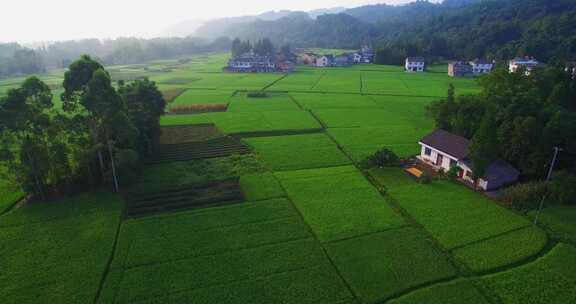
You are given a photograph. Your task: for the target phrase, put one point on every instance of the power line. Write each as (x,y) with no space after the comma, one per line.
(548,177)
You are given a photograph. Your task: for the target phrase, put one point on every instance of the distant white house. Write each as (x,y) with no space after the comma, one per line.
(415,64)
(527,63)
(571,68)
(357,58)
(481,66)
(443,150)
(325,61)
(367,54)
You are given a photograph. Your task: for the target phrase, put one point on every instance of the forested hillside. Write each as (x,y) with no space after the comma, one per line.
(497,29)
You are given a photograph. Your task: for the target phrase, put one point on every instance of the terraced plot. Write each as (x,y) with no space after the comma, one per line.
(362,142)
(381,265)
(464,222)
(385,83)
(262,248)
(318,101)
(336,80)
(304,79)
(211,194)
(462,291)
(57,252)
(338,202)
(298,151)
(272,102)
(248,122)
(550,279)
(211,148)
(194,97)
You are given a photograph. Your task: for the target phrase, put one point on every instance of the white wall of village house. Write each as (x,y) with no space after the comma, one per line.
(467,175)
(434,156)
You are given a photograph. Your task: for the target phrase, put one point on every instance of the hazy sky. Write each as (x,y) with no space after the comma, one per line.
(48,20)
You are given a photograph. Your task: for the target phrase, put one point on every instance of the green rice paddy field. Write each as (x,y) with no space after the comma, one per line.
(311,227)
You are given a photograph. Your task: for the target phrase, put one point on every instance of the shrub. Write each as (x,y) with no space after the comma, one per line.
(563,188)
(257,94)
(382,158)
(525,196)
(452,174)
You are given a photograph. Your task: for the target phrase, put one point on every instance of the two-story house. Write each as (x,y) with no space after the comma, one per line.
(528,64)
(459,69)
(415,64)
(325,61)
(481,66)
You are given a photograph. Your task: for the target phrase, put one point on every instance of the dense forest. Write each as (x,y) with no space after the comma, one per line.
(498,29)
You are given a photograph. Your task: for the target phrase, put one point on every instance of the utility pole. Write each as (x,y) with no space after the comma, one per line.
(548,177)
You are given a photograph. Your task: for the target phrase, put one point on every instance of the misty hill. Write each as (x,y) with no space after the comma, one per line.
(453,29)
(223,26)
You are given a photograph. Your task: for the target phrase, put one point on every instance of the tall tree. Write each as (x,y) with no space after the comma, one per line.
(145,105)
(25,130)
(484,145)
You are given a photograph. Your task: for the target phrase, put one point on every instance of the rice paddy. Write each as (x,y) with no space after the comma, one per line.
(302,223)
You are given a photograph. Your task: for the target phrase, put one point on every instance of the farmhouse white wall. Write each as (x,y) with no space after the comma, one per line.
(432,158)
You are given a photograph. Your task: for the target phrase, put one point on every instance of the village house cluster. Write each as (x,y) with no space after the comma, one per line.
(479,67)
(254,63)
(364,55)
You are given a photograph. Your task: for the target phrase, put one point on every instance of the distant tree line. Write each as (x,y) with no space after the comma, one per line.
(18,60)
(517,118)
(100,137)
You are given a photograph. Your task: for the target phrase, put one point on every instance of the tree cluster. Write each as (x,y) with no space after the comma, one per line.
(262,47)
(18,60)
(15,60)
(99,138)
(517,118)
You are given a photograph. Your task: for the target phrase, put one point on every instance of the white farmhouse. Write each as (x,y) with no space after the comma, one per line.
(442,150)
(481,66)
(527,63)
(325,61)
(571,68)
(357,57)
(415,64)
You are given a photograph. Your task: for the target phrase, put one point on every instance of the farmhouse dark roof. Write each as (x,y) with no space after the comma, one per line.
(480,61)
(448,143)
(415,59)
